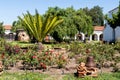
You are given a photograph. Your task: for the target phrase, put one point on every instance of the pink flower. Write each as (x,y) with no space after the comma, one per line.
(46,53)
(51,51)
(34,57)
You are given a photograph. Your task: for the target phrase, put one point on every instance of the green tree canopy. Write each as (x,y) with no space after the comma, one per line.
(67,28)
(2,30)
(83,22)
(96,14)
(74,21)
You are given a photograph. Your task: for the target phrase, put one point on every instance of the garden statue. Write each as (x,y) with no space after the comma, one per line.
(87,69)
(22,36)
(81,70)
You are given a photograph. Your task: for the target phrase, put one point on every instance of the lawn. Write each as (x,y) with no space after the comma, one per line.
(23,76)
(103,76)
(39,76)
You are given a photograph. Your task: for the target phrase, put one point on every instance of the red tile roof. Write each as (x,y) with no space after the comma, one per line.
(98,28)
(7,27)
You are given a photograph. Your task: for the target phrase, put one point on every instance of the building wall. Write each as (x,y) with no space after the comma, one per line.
(98,33)
(107,33)
(7,31)
(117,32)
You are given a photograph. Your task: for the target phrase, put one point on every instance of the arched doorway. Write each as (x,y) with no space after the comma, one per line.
(95,37)
(79,37)
(101,37)
(87,37)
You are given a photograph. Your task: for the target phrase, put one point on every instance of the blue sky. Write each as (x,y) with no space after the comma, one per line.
(10,9)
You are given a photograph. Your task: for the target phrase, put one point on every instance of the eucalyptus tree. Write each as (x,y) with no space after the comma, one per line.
(83,22)
(67,29)
(58,32)
(96,14)
(37,26)
(2,30)
(72,30)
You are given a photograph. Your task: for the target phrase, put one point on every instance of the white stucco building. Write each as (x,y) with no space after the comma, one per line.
(108,31)
(7,29)
(96,36)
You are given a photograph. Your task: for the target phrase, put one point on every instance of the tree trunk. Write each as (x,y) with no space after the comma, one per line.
(40,46)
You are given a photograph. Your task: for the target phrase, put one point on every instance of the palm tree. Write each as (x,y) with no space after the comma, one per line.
(37,26)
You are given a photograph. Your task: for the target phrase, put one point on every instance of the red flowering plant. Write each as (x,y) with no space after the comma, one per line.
(26,58)
(6,60)
(12,49)
(34,60)
(30,59)
(8,48)
(16,49)
(61,61)
(49,57)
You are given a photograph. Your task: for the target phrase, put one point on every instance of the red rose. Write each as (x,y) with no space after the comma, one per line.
(34,57)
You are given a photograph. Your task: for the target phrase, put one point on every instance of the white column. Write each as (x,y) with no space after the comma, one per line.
(90,37)
(98,37)
(83,36)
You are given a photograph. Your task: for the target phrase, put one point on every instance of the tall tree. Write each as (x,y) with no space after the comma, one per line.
(96,13)
(70,25)
(67,29)
(2,30)
(37,26)
(83,22)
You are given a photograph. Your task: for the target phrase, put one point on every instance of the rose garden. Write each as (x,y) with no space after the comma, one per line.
(46,49)
(58,59)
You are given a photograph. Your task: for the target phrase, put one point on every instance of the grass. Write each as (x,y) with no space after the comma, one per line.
(21,44)
(39,76)
(23,76)
(103,76)
(27,44)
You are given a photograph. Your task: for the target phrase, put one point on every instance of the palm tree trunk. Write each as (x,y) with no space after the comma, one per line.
(40,46)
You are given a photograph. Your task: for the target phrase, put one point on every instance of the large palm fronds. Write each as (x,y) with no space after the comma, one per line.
(37,26)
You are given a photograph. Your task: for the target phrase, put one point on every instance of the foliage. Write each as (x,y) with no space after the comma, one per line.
(37,26)
(2,30)
(96,13)
(83,22)
(12,49)
(16,25)
(74,21)
(103,53)
(67,28)
(2,42)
